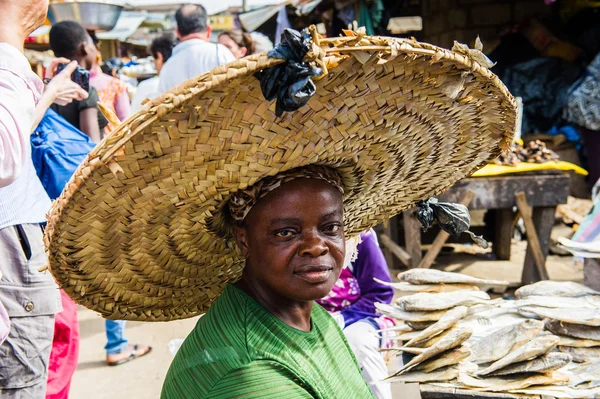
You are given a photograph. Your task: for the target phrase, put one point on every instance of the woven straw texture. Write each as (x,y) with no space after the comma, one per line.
(139,234)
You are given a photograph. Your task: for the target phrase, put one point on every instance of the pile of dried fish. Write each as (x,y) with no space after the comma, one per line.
(575,318)
(549,328)
(533,152)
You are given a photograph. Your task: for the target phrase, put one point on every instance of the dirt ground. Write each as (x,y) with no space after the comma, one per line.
(143,378)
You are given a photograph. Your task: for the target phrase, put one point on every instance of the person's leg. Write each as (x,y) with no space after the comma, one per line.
(65,350)
(118,350)
(115,337)
(31,299)
(24,354)
(364,341)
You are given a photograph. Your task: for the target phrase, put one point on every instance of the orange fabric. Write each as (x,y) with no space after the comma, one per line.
(108,98)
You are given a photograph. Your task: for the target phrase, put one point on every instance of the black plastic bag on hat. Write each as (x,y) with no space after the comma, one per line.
(452,218)
(290,83)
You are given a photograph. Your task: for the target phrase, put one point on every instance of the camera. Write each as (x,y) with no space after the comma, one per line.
(81,76)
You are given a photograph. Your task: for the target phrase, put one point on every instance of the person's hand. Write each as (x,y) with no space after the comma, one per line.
(61,87)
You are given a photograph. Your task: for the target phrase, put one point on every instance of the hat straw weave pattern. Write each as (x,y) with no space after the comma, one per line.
(139,232)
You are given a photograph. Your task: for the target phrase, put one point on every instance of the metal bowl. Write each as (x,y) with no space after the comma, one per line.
(92,15)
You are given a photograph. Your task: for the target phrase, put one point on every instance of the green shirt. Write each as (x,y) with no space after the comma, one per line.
(240,350)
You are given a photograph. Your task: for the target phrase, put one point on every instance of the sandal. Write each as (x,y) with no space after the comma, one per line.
(135,354)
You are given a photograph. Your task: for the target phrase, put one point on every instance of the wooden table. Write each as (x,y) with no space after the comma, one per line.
(544,191)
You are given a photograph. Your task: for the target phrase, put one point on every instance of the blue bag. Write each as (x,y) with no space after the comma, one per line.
(57,149)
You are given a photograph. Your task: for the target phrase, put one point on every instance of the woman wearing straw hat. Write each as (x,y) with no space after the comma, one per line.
(214,199)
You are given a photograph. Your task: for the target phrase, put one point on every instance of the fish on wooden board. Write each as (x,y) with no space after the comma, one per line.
(588,317)
(554,288)
(543,364)
(449,319)
(452,340)
(536,347)
(581,355)
(578,342)
(397,313)
(447,358)
(432,276)
(445,374)
(501,342)
(505,384)
(572,330)
(404,287)
(426,302)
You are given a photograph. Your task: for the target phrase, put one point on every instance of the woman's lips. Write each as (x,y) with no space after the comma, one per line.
(314,274)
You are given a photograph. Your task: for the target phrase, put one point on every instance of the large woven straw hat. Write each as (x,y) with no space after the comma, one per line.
(139,231)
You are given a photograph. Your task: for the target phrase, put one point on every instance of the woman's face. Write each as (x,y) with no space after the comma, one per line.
(293,240)
(237,51)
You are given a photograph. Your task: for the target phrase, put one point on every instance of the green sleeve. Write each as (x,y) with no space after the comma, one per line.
(260,379)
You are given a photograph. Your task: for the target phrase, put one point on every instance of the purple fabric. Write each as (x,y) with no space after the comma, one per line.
(370,264)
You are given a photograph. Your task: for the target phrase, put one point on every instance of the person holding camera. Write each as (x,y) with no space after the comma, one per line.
(31,298)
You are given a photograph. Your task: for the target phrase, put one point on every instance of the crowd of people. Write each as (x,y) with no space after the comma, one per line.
(39,331)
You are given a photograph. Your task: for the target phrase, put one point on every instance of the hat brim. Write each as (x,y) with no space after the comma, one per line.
(138,233)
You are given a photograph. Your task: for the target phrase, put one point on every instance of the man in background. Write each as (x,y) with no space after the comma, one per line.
(31,298)
(195,54)
(161,50)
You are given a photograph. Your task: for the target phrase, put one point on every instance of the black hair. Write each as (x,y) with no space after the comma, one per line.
(164,45)
(191,19)
(66,37)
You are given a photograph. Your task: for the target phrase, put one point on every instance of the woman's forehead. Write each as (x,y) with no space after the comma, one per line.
(300,198)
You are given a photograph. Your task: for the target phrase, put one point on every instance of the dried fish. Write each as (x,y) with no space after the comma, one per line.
(448,358)
(554,288)
(578,343)
(572,330)
(581,355)
(446,374)
(505,384)
(550,362)
(588,317)
(407,336)
(501,342)
(585,373)
(589,301)
(404,287)
(414,351)
(446,321)
(432,276)
(419,325)
(536,347)
(441,301)
(397,313)
(452,340)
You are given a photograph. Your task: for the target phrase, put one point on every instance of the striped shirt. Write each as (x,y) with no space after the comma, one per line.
(240,350)
(22,198)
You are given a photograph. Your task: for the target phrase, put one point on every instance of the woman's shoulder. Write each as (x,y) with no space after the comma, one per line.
(216,346)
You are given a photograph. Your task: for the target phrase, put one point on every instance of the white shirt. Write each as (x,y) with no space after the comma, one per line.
(22,197)
(146,89)
(191,58)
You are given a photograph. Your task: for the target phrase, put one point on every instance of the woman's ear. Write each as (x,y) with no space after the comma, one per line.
(241,238)
(243,51)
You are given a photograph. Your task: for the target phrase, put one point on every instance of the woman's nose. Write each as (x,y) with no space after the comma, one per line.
(313,245)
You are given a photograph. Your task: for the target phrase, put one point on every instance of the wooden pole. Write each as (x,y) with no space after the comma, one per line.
(532,237)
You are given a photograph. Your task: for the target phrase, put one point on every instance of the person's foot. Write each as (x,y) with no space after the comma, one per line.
(132,352)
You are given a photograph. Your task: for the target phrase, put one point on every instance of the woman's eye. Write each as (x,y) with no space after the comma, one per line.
(284,233)
(333,228)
